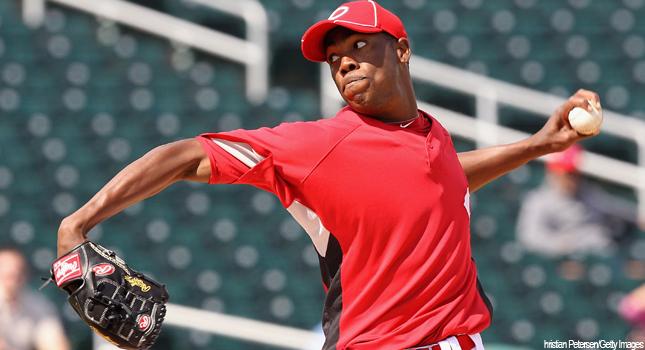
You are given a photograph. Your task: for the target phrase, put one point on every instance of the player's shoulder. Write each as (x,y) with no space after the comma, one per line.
(323,123)
(312,129)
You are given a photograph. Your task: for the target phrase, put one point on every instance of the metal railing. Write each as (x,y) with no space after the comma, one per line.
(485,130)
(257,32)
(251,52)
(243,329)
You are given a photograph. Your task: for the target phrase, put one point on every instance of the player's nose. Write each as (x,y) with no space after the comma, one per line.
(348,64)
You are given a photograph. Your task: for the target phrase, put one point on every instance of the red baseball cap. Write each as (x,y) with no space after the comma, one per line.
(360,16)
(566,161)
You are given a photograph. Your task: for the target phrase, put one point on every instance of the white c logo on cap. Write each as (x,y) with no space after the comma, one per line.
(339,12)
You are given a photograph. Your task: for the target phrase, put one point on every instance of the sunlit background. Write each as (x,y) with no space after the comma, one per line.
(84,94)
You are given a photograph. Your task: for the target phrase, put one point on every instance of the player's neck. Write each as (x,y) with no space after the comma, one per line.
(404,107)
(400,114)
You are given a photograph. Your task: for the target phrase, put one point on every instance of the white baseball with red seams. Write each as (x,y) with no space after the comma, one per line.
(585,122)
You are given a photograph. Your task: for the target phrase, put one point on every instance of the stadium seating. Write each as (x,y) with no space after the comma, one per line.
(81,97)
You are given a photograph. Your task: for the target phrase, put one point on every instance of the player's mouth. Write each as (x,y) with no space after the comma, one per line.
(352,82)
(355,88)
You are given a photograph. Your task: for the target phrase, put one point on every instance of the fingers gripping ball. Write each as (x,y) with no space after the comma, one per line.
(122,305)
(586,122)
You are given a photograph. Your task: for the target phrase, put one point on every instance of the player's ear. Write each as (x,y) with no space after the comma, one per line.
(403,50)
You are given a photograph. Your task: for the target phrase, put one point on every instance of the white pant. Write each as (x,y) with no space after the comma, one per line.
(452,343)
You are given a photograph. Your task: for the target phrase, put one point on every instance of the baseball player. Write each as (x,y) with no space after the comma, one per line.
(379,189)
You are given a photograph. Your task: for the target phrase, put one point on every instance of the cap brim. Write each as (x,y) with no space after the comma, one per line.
(312,44)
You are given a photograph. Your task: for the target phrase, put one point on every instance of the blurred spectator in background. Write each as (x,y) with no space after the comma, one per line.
(568,216)
(632,309)
(27,320)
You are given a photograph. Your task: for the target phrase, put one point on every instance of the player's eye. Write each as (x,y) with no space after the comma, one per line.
(360,44)
(333,58)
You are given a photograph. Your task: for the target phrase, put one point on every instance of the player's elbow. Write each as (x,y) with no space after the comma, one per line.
(191,159)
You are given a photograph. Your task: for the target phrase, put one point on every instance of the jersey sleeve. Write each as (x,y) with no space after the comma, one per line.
(275,159)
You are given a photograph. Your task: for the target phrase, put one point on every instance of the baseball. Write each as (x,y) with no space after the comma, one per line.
(585,122)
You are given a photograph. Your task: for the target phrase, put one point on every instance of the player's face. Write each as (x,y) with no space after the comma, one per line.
(12,274)
(366,69)
(565,182)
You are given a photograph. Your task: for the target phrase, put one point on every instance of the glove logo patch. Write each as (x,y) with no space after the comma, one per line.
(103,269)
(143,322)
(137,282)
(67,268)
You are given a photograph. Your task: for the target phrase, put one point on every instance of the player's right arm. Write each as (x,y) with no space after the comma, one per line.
(143,178)
(487,164)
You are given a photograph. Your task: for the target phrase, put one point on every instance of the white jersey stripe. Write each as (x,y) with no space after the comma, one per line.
(242,151)
(477,338)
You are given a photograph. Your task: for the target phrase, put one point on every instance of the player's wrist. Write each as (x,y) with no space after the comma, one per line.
(535,147)
(71,233)
(72,225)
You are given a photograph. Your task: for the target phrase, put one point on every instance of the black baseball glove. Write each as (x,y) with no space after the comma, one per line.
(122,305)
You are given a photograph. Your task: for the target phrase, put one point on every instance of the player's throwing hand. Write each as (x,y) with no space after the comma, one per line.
(558,134)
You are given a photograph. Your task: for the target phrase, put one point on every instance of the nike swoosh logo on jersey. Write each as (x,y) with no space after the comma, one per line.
(407,124)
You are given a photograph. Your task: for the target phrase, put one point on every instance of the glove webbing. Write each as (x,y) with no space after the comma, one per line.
(121,310)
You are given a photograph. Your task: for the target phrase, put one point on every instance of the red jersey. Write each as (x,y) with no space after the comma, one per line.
(387,208)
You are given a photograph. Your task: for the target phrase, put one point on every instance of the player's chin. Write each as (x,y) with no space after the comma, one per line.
(359,102)
(360,107)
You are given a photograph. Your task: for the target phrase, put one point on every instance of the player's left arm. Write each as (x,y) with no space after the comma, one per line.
(485,165)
